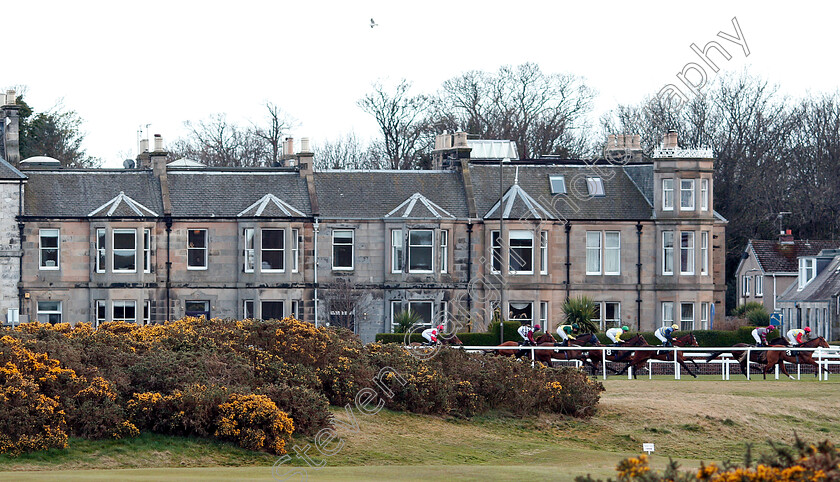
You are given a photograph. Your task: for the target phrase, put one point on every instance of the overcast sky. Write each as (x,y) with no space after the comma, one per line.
(122,65)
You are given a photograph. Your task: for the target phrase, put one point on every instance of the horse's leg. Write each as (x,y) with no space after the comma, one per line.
(683,364)
(781,361)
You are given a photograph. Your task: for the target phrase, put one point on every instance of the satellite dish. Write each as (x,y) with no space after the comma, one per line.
(128,164)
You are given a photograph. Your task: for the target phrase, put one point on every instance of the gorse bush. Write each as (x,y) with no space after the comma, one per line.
(802,462)
(250,382)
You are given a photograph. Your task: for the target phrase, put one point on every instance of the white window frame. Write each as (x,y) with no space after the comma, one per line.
(704,194)
(281,250)
(684,320)
(555,187)
(668,194)
(114,233)
(807,266)
(297,311)
(426,247)
(704,316)
(249,252)
(667,313)
(544,315)
(396,251)
(543,252)
(296,245)
(42,233)
(205,248)
(147,312)
(352,245)
(496,251)
(521,234)
(123,304)
(745,285)
(704,253)
(612,251)
(444,250)
(667,252)
(396,307)
(101,313)
(616,320)
(39,311)
(101,250)
(246,312)
(687,186)
(689,250)
(147,250)
(594,251)
(759,286)
(595,186)
(282,303)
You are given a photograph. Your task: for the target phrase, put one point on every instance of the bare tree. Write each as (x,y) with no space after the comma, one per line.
(272,133)
(543,113)
(401,118)
(348,152)
(344,299)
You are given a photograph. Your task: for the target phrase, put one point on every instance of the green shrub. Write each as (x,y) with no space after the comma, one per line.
(742,310)
(580,310)
(758,317)
(406,319)
(309,409)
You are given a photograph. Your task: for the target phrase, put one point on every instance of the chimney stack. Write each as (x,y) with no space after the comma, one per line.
(670,140)
(623,148)
(10,139)
(786,237)
(305,156)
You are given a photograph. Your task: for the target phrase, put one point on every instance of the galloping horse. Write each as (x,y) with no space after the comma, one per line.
(640,357)
(540,355)
(792,356)
(594,360)
(755,356)
(444,339)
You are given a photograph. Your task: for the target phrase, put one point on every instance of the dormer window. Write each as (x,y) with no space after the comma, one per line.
(807,271)
(558,184)
(595,186)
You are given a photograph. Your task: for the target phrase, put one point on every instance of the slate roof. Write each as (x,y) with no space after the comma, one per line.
(518,204)
(78,192)
(372,194)
(823,288)
(774,257)
(621,200)
(642,177)
(229,192)
(419,207)
(9,172)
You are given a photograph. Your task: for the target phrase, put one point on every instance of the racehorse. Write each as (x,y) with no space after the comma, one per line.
(640,357)
(593,358)
(755,356)
(543,356)
(444,339)
(792,356)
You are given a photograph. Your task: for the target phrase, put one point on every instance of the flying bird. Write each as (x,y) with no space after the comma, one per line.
(373,24)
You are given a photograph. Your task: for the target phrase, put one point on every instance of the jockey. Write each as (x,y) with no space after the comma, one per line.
(527,333)
(664,334)
(797,336)
(566,333)
(762,332)
(614,334)
(431,334)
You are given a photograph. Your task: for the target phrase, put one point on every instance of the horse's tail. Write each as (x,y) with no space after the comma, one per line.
(714,355)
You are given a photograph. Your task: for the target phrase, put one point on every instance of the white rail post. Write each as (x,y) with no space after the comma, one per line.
(604,362)
(819,364)
(650,369)
(748,363)
(777,369)
(676,365)
(532,356)
(798,370)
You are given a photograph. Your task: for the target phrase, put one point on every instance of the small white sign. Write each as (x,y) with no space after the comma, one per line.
(647,448)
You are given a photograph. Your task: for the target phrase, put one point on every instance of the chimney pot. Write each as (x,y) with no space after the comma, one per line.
(304,144)
(611,141)
(144,145)
(11,98)
(158,143)
(670,140)
(289,146)
(460,139)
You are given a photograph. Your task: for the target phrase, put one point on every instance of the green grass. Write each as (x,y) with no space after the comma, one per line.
(689,420)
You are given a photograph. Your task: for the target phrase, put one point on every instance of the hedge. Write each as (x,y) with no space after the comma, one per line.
(704,337)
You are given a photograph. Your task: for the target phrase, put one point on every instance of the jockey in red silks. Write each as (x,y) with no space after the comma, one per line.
(762,332)
(431,334)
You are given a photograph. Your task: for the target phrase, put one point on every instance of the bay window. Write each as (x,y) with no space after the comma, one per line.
(687,252)
(521,251)
(125,250)
(667,252)
(272,250)
(420,248)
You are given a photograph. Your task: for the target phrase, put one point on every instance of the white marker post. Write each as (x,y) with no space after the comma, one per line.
(647,448)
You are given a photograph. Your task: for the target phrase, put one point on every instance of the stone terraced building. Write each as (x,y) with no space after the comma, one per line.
(161,241)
